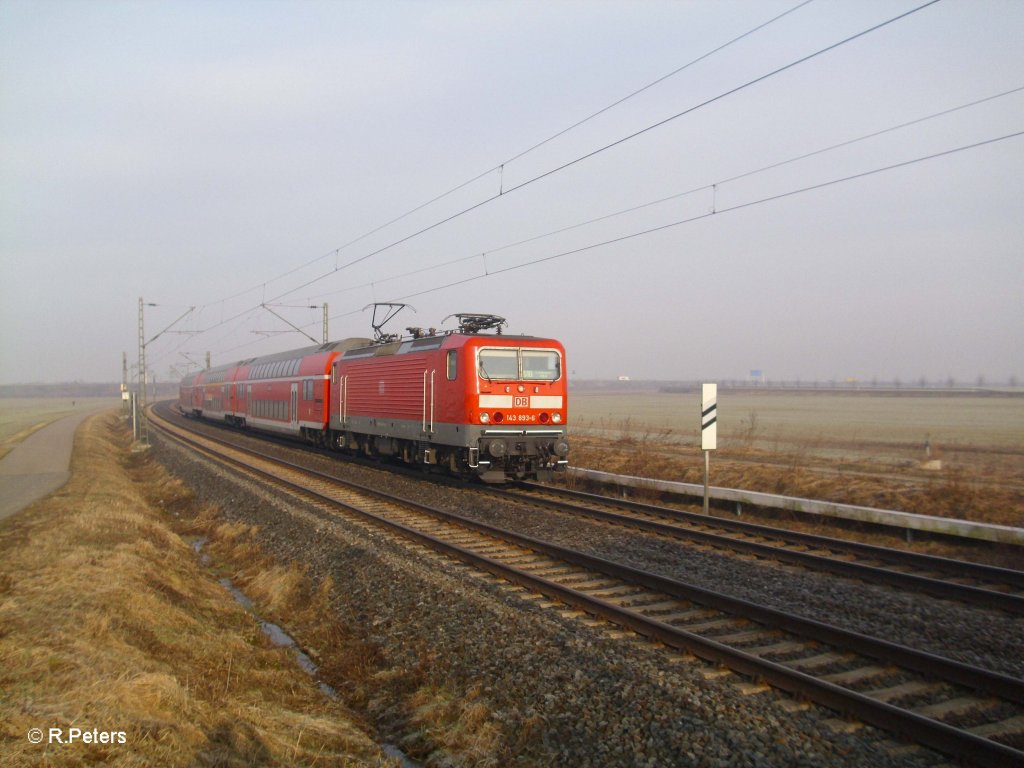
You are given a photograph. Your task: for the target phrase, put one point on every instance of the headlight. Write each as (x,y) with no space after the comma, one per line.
(484,418)
(556,417)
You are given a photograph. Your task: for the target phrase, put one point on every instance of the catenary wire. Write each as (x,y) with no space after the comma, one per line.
(747,174)
(653,83)
(588,155)
(691,219)
(709,214)
(704,187)
(611,145)
(523,153)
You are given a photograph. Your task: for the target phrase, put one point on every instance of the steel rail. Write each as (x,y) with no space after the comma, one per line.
(1010,576)
(889,717)
(974,595)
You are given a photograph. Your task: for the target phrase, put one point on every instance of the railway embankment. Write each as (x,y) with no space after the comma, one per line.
(117,646)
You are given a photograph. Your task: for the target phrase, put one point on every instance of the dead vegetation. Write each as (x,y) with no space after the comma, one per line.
(424,714)
(108,622)
(972,485)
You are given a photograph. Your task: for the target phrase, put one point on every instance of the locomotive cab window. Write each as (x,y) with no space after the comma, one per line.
(499,364)
(453,364)
(541,365)
(505,364)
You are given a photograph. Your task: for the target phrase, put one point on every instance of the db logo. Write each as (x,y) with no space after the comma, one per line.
(520,402)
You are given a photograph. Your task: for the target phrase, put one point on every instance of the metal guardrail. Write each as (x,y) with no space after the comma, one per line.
(1003,534)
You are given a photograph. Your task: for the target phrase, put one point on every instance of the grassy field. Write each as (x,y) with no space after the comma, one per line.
(20,417)
(852,421)
(860,448)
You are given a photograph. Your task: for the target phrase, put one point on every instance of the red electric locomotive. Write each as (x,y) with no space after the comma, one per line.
(472,403)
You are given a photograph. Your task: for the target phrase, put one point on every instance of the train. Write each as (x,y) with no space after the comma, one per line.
(471,402)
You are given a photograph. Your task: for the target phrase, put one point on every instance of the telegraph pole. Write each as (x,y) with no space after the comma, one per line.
(326,338)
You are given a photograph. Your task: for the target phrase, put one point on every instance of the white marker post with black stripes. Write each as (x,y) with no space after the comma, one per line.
(708,430)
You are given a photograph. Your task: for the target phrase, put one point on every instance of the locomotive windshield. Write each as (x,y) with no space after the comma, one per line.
(540,365)
(506,364)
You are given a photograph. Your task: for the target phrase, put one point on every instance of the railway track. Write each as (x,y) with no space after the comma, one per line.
(953,707)
(972,583)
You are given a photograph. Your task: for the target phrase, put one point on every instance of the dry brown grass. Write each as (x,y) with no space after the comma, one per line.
(857,448)
(457,723)
(960,492)
(978,492)
(432,719)
(435,721)
(107,621)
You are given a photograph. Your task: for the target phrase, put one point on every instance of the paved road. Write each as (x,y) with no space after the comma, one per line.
(39,464)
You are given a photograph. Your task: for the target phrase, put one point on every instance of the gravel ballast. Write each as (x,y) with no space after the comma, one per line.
(562,691)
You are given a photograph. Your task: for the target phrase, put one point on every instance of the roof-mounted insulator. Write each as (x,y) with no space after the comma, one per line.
(421,333)
(473,322)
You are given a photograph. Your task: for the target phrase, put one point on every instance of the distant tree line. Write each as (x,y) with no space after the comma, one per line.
(75,389)
(921,385)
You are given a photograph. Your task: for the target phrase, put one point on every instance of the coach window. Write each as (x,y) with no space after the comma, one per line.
(453,364)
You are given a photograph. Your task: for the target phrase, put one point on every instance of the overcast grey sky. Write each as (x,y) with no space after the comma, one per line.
(221,154)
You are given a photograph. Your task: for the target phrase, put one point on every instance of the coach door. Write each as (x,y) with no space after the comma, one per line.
(295,404)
